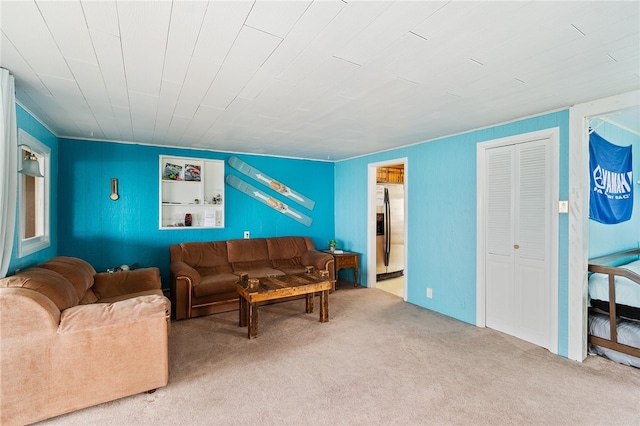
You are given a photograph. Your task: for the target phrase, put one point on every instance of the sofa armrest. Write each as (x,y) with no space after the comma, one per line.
(183,269)
(115,284)
(117,314)
(26,314)
(319,260)
(183,278)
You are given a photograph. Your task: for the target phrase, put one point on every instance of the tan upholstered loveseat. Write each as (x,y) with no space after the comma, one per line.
(71,338)
(204,274)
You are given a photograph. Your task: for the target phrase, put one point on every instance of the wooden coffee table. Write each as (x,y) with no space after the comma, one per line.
(273,288)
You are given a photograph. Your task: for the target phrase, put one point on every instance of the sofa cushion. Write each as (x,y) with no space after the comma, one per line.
(108,285)
(118,298)
(205,257)
(117,314)
(286,251)
(212,270)
(89,297)
(292,269)
(216,284)
(77,271)
(260,272)
(249,254)
(46,282)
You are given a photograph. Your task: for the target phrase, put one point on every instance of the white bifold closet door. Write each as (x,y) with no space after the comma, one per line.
(518,240)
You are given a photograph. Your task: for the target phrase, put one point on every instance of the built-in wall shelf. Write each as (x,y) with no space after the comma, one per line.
(390,174)
(191,193)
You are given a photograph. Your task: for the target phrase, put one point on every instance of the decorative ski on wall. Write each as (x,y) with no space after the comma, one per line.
(242,186)
(256,174)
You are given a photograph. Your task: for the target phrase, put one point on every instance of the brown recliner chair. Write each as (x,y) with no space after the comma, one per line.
(71,338)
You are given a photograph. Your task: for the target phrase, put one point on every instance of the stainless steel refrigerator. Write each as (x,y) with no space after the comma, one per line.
(389,231)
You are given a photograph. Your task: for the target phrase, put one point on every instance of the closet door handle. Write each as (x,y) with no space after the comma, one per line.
(516,246)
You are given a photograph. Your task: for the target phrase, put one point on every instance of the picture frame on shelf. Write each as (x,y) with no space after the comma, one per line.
(171,172)
(192,173)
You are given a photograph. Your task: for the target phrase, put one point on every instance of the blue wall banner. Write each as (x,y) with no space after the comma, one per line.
(610,166)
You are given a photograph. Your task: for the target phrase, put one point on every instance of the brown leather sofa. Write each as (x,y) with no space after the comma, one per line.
(71,338)
(204,274)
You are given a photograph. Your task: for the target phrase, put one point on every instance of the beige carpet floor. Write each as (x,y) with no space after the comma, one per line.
(379,361)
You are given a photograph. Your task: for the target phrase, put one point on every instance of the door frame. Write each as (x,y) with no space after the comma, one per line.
(371,214)
(579,116)
(553,134)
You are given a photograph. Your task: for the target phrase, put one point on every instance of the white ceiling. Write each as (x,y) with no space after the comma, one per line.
(310,79)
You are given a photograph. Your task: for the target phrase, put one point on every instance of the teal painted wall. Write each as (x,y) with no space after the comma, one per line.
(441,190)
(29,124)
(606,239)
(441,216)
(110,233)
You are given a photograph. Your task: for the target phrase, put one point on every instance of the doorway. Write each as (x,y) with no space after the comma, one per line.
(578,234)
(517,236)
(390,229)
(387,231)
(620,128)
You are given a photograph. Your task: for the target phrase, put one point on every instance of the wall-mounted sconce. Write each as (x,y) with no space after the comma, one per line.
(30,165)
(114,189)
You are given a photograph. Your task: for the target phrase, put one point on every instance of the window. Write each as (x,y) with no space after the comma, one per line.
(33,198)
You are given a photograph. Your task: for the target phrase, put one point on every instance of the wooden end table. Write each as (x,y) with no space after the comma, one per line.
(345,260)
(273,288)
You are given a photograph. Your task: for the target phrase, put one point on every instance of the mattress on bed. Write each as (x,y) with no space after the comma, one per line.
(628,334)
(627,291)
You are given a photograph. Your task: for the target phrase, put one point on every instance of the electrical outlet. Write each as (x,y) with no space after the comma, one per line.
(246,235)
(429,293)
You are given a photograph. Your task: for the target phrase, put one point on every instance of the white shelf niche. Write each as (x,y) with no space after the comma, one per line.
(192,186)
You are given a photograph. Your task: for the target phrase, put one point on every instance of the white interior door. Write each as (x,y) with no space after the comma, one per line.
(518,240)
(500,237)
